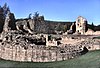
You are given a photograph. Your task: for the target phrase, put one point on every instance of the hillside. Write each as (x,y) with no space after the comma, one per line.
(94,27)
(89,60)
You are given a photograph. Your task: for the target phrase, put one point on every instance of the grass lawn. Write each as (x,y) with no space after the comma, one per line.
(89,60)
(97,37)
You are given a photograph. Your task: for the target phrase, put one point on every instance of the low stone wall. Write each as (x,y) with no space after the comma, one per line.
(40,53)
(36,53)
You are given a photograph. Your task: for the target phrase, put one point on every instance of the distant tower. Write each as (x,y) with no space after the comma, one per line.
(47,40)
(81,24)
(6,23)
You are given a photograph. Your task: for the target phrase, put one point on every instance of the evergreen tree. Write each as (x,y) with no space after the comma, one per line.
(5,6)
(30,15)
(0,6)
(5,9)
(8,9)
(92,26)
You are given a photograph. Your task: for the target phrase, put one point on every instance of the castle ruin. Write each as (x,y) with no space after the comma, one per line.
(81,24)
(38,40)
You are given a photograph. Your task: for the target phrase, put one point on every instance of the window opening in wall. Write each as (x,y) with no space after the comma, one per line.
(78,20)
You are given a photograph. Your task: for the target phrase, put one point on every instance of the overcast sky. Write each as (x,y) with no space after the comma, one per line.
(56,10)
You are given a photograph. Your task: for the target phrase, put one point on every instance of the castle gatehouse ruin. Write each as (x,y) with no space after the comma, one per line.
(38,40)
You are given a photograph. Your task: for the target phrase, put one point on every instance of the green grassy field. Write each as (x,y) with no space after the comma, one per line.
(89,60)
(97,37)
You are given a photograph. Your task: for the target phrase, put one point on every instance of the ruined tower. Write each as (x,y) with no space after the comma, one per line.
(9,22)
(81,24)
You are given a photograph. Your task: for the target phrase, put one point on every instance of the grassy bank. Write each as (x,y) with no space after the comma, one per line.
(89,60)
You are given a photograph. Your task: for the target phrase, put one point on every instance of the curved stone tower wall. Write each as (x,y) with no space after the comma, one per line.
(36,53)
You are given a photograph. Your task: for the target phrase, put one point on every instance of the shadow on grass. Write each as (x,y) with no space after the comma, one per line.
(85,50)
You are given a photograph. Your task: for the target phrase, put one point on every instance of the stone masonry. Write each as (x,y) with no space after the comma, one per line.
(81,25)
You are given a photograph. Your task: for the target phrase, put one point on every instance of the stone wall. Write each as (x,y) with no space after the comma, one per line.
(44,26)
(36,53)
(81,25)
(20,46)
(20,50)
